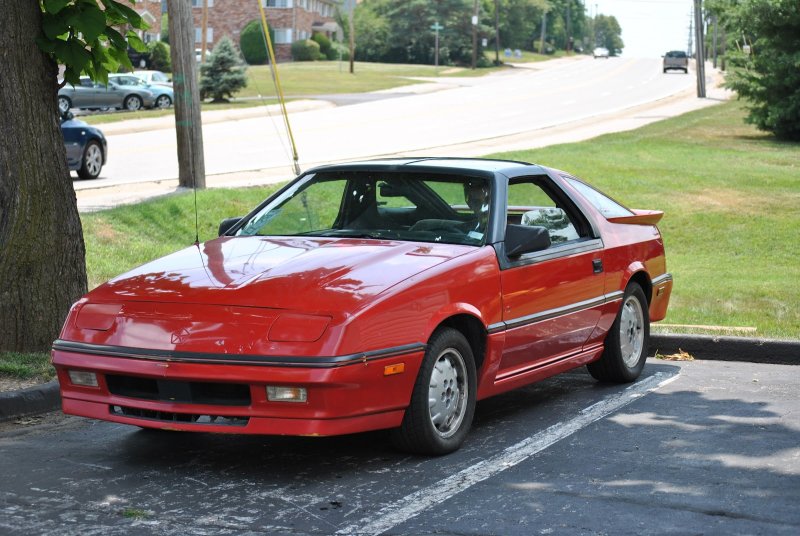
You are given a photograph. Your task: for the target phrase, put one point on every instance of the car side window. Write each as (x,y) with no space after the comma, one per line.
(87,82)
(530,203)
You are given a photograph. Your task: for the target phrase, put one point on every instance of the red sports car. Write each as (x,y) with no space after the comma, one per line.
(387,294)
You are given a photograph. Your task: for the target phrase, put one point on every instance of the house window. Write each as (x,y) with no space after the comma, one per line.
(283,36)
(198,35)
(278,3)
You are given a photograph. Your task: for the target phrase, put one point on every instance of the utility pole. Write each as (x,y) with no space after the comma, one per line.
(569,30)
(436,27)
(496,33)
(475,35)
(544,29)
(188,124)
(352,39)
(714,21)
(700,50)
(204,32)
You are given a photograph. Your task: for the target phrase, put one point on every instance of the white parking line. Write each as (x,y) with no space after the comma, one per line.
(411,505)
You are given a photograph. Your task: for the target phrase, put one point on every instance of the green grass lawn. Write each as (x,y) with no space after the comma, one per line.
(730,196)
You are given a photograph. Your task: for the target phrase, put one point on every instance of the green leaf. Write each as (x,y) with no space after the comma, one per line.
(73,54)
(135,42)
(133,18)
(46,45)
(54,6)
(117,41)
(53,26)
(92,22)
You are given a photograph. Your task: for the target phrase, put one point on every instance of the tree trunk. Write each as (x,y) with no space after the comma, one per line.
(42,255)
(188,124)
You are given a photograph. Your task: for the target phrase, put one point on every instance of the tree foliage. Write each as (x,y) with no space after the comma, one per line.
(253,44)
(223,75)
(768,77)
(608,34)
(400,32)
(83,36)
(519,21)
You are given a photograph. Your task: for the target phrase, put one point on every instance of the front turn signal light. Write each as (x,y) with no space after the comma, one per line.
(277,393)
(82,378)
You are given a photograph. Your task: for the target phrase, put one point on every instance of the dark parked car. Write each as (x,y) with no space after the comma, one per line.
(86,147)
(676,60)
(96,96)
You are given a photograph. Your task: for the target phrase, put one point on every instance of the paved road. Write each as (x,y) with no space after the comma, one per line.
(472,109)
(702,447)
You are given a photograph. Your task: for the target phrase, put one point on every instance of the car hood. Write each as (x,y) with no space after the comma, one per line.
(297,273)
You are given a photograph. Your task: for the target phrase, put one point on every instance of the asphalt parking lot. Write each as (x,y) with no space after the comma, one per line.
(700,447)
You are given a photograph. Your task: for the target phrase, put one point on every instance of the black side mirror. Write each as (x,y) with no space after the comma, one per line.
(521,239)
(228,224)
(66,116)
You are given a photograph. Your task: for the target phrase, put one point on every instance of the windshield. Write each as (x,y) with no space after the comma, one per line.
(382,205)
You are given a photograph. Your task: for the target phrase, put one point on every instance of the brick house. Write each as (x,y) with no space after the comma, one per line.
(291,19)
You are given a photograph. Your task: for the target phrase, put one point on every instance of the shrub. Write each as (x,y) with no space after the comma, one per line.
(340,51)
(159,56)
(325,45)
(252,43)
(305,50)
(223,74)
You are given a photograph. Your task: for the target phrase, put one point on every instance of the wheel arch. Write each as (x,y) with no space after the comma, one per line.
(473,330)
(637,273)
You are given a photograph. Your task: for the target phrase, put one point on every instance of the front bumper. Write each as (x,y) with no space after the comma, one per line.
(231,398)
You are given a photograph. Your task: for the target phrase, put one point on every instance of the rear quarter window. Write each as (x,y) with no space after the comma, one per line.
(604,204)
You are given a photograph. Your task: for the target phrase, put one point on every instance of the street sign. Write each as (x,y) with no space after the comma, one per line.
(436,27)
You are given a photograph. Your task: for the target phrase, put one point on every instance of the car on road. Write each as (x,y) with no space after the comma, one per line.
(96,96)
(389,294)
(154,78)
(676,60)
(86,146)
(163,96)
(600,52)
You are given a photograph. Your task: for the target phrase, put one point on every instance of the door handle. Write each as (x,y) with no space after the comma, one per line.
(597,266)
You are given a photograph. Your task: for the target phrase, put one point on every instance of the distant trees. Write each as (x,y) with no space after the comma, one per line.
(608,34)
(763,53)
(399,31)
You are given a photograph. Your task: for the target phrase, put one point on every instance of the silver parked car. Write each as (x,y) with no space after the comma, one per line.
(96,96)
(163,95)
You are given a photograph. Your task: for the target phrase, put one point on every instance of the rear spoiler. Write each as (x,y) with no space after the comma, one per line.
(639,217)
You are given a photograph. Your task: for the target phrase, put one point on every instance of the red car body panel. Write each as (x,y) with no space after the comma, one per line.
(214,324)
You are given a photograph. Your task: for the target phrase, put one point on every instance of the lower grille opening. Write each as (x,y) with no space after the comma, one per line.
(182,418)
(185,392)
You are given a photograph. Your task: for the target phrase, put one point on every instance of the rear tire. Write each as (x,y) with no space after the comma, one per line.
(626,343)
(442,404)
(91,161)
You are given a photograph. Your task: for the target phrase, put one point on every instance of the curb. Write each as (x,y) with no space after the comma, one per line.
(31,401)
(46,397)
(767,351)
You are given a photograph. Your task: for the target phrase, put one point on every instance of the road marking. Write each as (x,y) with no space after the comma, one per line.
(411,505)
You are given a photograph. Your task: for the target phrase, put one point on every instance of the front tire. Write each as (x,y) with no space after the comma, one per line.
(442,404)
(133,103)
(91,162)
(626,343)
